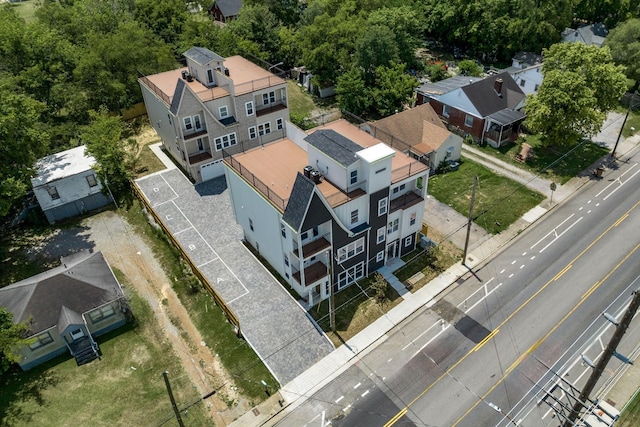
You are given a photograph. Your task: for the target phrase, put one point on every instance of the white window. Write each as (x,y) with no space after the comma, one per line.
(380,256)
(264,128)
(283,230)
(192,123)
(40,340)
(381,234)
(351,250)
(101,314)
(468,120)
(382,206)
(393,226)
(91,180)
(407,241)
(248,106)
(350,275)
(353,177)
(53,192)
(224,111)
(279,124)
(354,216)
(412,221)
(268,98)
(252,132)
(225,141)
(446,110)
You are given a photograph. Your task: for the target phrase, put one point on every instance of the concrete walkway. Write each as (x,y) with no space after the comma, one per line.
(293,394)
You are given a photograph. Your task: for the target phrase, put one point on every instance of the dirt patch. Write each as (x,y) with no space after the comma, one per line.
(125,250)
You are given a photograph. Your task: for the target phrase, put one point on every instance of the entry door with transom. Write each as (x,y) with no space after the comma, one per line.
(392,250)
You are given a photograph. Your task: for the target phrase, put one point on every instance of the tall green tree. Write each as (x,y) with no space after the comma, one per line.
(624,42)
(581,84)
(393,89)
(165,18)
(258,25)
(406,26)
(376,47)
(11,336)
(23,140)
(114,155)
(352,93)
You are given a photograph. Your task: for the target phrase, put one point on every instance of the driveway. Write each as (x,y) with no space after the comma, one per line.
(201,219)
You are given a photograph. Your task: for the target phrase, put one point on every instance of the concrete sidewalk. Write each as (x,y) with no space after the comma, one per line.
(294,393)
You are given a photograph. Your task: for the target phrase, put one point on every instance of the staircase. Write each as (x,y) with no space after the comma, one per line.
(83,351)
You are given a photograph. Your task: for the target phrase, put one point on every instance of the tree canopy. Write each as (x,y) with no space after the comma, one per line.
(11,336)
(581,84)
(624,42)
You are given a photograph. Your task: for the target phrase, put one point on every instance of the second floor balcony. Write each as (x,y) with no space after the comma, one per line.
(271,108)
(312,248)
(312,273)
(199,157)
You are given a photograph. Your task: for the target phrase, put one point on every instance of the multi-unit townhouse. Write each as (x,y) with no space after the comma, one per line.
(214,103)
(327,207)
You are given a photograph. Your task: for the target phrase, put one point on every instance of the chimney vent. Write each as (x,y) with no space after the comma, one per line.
(315,176)
(497,86)
(307,171)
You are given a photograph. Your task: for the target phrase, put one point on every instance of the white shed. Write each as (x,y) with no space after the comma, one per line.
(66,185)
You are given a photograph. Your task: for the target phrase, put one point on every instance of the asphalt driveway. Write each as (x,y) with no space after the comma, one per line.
(201,219)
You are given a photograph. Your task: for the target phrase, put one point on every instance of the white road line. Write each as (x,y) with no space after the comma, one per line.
(589,211)
(503,270)
(618,180)
(580,208)
(182,231)
(209,262)
(165,202)
(339,399)
(346,408)
(513,262)
(552,231)
(597,204)
(524,253)
(389,360)
(621,184)
(560,235)
(533,257)
(522,266)
(511,275)
(357,385)
(365,393)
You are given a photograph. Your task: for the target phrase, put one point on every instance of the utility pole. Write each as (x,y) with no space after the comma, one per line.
(165,374)
(609,351)
(466,242)
(615,147)
(332,307)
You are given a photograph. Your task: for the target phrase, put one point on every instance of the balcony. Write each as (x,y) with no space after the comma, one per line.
(199,157)
(187,135)
(312,273)
(313,248)
(405,201)
(272,108)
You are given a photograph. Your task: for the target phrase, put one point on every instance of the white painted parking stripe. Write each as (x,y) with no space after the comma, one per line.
(365,393)
(503,270)
(357,385)
(511,275)
(339,399)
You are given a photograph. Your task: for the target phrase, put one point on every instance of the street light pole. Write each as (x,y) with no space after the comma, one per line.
(466,242)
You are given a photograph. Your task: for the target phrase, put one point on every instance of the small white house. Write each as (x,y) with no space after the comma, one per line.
(66,185)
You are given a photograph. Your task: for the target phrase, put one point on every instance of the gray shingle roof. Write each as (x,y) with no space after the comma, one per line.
(336,146)
(202,55)
(447,85)
(229,7)
(177,95)
(296,209)
(82,283)
(507,116)
(483,96)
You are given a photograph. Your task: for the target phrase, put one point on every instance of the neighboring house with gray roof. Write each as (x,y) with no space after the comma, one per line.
(420,133)
(327,207)
(214,103)
(66,185)
(592,34)
(487,109)
(66,308)
(225,10)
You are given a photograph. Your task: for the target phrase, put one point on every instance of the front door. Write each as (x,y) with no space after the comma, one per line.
(392,250)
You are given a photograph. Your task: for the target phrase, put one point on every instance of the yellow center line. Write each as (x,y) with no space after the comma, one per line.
(621,219)
(564,270)
(404,410)
(484,341)
(540,341)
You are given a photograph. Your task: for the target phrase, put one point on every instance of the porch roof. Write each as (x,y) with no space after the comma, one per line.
(506,116)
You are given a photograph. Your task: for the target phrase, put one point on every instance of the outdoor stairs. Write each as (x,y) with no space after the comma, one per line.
(84,352)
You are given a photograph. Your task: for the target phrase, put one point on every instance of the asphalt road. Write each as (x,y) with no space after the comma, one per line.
(473,357)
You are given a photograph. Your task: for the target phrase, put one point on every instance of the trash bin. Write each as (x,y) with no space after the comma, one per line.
(598,172)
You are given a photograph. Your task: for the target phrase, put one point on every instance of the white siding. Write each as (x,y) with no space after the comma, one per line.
(69,189)
(343,212)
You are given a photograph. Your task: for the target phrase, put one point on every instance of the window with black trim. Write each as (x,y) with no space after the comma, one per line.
(354,216)
(382,206)
(92,181)
(53,192)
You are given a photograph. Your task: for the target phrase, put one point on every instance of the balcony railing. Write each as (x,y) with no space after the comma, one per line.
(272,108)
(312,273)
(263,188)
(187,135)
(313,248)
(405,201)
(199,157)
(494,135)
(254,85)
(411,169)
(155,89)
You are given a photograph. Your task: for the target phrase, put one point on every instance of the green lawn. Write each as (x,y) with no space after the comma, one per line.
(26,9)
(557,164)
(126,387)
(633,121)
(631,415)
(499,201)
